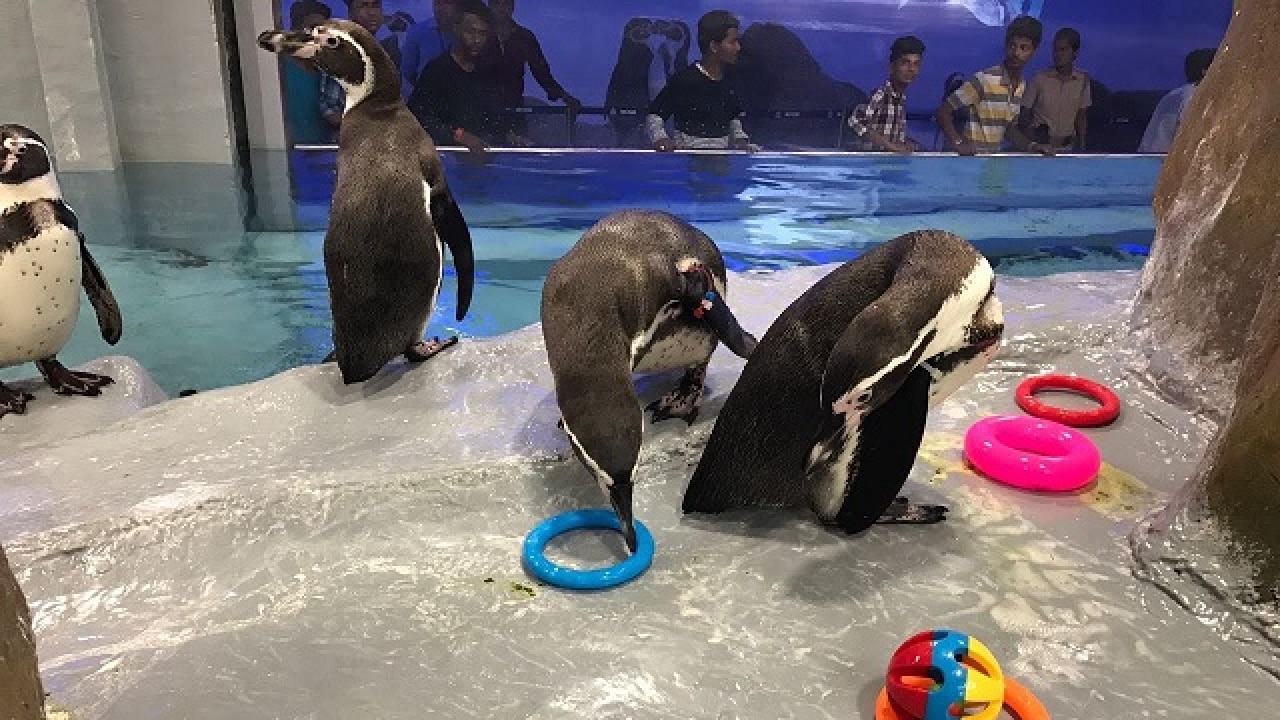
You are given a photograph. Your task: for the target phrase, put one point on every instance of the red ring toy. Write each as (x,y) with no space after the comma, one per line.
(1096,391)
(1018,702)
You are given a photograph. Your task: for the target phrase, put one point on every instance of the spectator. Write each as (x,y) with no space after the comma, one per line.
(302,81)
(425,41)
(881,123)
(1055,105)
(706,110)
(513,46)
(1164,122)
(992,95)
(455,99)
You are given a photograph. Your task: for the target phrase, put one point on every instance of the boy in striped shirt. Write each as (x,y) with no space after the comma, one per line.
(881,123)
(993,97)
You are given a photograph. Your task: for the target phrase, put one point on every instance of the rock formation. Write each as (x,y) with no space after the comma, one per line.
(1216,219)
(21,695)
(1209,311)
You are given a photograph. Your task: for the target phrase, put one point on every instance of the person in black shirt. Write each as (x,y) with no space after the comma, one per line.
(456,98)
(512,46)
(705,108)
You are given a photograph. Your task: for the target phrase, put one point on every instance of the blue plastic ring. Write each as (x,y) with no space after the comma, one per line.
(535,545)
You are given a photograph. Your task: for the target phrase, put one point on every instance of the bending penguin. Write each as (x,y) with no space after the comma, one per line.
(43,264)
(641,292)
(391,209)
(830,409)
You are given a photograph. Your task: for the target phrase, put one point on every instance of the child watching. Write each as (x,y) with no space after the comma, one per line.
(993,96)
(881,123)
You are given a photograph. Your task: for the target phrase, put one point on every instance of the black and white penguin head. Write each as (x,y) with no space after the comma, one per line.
(343,50)
(23,155)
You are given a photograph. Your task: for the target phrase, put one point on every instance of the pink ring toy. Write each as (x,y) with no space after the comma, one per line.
(1032,453)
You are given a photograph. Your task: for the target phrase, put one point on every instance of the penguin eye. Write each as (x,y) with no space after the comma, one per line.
(864,397)
(331,41)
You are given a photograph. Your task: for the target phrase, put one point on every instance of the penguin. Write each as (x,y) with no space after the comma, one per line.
(44,262)
(830,409)
(391,210)
(640,292)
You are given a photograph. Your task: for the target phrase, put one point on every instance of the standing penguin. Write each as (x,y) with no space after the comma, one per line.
(43,264)
(641,292)
(391,208)
(831,407)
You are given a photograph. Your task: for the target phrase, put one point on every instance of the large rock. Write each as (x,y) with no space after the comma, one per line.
(1210,305)
(1242,471)
(21,695)
(1217,218)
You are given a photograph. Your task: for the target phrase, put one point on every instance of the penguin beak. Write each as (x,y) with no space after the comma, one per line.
(295,44)
(620,498)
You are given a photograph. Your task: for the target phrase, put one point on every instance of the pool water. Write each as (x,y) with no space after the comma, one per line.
(211,305)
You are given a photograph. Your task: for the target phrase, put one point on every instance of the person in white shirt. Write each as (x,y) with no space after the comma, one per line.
(1168,113)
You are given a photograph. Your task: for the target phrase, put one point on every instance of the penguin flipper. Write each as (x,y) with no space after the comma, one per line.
(451,227)
(716,312)
(888,440)
(728,330)
(100,296)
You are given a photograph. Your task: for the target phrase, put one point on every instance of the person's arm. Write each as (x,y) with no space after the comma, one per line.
(738,138)
(541,70)
(1030,98)
(967,95)
(1019,131)
(1082,116)
(662,107)
(409,61)
(1020,140)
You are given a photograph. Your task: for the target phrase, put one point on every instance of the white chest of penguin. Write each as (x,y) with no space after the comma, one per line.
(39,295)
(673,340)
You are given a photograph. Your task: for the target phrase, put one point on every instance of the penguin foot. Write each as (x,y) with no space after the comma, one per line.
(13,401)
(71,382)
(676,405)
(424,349)
(902,512)
(682,402)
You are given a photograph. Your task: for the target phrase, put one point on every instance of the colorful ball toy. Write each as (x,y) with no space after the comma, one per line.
(943,675)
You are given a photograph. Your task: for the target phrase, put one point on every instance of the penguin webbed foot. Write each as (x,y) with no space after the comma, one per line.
(682,402)
(904,512)
(426,349)
(13,401)
(71,382)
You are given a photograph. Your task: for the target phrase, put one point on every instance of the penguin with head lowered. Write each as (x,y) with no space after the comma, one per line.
(44,263)
(830,410)
(640,292)
(391,211)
